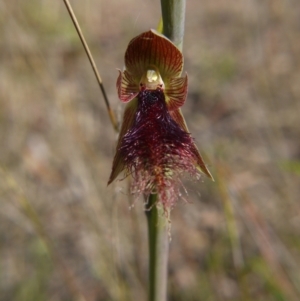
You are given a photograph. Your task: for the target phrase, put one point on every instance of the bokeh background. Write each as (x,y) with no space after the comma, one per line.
(65,235)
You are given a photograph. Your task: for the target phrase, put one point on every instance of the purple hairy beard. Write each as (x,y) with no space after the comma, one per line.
(157,151)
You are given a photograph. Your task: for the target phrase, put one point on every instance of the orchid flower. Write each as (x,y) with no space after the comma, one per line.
(155,146)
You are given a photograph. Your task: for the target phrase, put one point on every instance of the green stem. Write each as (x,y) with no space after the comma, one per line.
(158,250)
(173,13)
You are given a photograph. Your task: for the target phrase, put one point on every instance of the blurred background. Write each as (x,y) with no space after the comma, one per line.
(65,235)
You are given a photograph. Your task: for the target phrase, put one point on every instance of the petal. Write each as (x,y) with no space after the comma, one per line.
(128,118)
(126,86)
(200,163)
(178,117)
(151,48)
(176,92)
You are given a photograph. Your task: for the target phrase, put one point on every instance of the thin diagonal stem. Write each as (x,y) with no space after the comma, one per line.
(92,62)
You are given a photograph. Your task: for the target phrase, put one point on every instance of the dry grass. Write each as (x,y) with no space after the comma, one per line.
(65,236)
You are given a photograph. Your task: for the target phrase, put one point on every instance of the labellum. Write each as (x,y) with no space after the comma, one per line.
(154,145)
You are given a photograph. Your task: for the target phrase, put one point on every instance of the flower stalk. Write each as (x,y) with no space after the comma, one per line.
(173,14)
(158,250)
